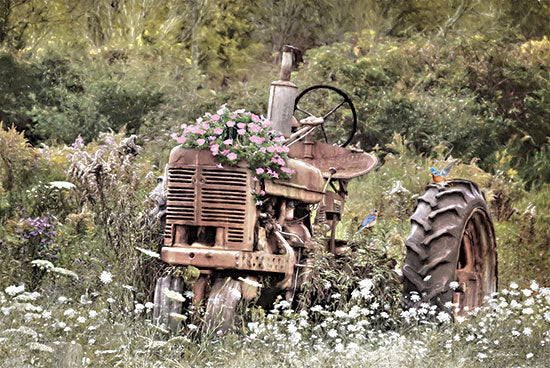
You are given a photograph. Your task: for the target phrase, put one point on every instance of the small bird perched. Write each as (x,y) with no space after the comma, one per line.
(369,221)
(439,176)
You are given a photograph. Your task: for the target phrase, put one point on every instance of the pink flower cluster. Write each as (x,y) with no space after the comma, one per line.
(233,136)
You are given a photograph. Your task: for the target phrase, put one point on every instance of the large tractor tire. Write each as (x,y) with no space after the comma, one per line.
(222,304)
(163,305)
(451,239)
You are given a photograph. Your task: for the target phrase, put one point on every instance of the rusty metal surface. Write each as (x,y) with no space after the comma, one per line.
(225,259)
(476,264)
(306,185)
(207,205)
(349,164)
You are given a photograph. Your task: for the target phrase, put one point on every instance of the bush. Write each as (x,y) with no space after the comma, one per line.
(59,97)
(463,92)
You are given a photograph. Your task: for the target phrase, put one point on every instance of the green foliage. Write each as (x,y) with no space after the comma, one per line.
(524,240)
(68,97)
(458,93)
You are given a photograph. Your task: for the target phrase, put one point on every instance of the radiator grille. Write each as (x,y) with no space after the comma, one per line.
(181,194)
(208,196)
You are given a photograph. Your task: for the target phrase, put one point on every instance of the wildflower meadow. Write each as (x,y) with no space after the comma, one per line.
(95,95)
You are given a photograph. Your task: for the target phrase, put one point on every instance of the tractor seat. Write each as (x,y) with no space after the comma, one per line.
(348,163)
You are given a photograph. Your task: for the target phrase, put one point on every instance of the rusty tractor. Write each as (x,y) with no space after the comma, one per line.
(213,224)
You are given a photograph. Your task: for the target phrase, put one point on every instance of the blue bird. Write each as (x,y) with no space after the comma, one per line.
(369,221)
(439,176)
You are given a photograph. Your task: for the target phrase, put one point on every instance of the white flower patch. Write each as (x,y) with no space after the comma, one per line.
(70,313)
(61,184)
(65,272)
(527,331)
(316,308)
(527,311)
(27,297)
(106,277)
(534,285)
(92,313)
(178,316)
(529,355)
(513,286)
(527,292)
(443,317)
(173,295)
(332,333)
(453,285)
(36,346)
(14,290)
(188,294)
(148,252)
(43,264)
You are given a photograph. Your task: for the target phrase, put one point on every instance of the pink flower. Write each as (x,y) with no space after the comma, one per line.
(239,111)
(271,149)
(232,156)
(181,140)
(287,170)
(255,118)
(262,149)
(228,141)
(215,117)
(212,137)
(183,126)
(200,142)
(282,149)
(256,139)
(225,152)
(199,120)
(241,131)
(280,161)
(241,125)
(205,126)
(259,203)
(218,131)
(259,171)
(254,128)
(219,166)
(254,178)
(214,149)
(233,116)
(262,193)
(230,123)
(273,173)
(266,124)
(174,136)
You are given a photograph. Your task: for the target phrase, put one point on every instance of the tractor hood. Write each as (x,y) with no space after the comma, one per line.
(305,186)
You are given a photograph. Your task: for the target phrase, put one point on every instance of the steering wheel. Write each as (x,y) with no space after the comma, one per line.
(321,97)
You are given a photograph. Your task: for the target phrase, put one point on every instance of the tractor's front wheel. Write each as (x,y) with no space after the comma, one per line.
(222,304)
(163,305)
(451,239)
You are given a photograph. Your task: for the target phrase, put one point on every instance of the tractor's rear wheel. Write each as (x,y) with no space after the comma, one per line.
(451,239)
(222,304)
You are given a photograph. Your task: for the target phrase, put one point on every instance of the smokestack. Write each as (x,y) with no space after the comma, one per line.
(282,95)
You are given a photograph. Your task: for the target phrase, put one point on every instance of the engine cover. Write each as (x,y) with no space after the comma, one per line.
(305,186)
